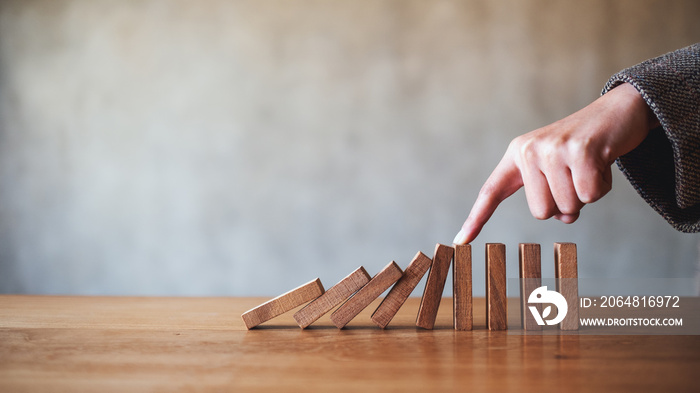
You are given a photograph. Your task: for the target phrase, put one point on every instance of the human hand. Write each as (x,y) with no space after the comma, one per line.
(565,165)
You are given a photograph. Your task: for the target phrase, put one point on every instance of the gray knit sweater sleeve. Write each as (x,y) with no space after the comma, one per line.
(665,168)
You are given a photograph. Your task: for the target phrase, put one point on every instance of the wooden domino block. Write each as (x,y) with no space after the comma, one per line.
(283,303)
(333,297)
(496,301)
(566,272)
(402,290)
(462,287)
(432,294)
(530,279)
(362,298)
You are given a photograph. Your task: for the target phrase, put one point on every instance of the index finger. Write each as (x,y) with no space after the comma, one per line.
(504,181)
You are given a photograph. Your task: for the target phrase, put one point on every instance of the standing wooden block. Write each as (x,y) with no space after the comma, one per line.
(402,290)
(530,279)
(333,297)
(496,301)
(282,303)
(362,298)
(566,272)
(462,287)
(432,294)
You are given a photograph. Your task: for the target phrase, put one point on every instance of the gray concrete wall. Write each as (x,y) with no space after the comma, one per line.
(246,147)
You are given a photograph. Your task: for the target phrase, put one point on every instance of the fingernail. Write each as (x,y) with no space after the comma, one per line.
(461,237)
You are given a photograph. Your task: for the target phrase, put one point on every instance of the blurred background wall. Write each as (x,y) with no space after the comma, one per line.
(246,147)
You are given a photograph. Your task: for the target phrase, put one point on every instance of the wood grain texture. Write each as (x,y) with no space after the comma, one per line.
(530,279)
(335,295)
(401,290)
(432,294)
(282,303)
(462,287)
(496,306)
(160,344)
(362,298)
(566,272)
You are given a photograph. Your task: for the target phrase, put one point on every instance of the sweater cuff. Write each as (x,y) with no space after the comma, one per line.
(664,169)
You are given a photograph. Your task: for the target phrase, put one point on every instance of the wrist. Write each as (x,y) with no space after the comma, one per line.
(635,103)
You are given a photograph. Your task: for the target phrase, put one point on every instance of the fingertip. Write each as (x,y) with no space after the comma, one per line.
(567,218)
(503,182)
(586,198)
(590,196)
(461,237)
(592,184)
(542,214)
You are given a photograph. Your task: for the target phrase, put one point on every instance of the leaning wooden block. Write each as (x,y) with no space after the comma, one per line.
(462,287)
(362,298)
(530,279)
(283,303)
(566,272)
(432,294)
(333,297)
(402,290)
(496,301)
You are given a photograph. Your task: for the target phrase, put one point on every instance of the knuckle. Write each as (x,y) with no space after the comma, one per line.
(516,142)
(527,150)
(542,212)
(588,197)
(541,216)
(585,151)
(570,205)
(568,209)
(582,146)
(592,194)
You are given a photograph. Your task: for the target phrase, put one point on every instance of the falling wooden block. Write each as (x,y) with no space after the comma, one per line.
(566,272)
(496,306)
(530,279)
(362,298)
(462,287)
(282,303)
(432,294)
(333,297)
(402,290)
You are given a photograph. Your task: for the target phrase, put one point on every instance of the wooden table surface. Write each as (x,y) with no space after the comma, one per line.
(73,344)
